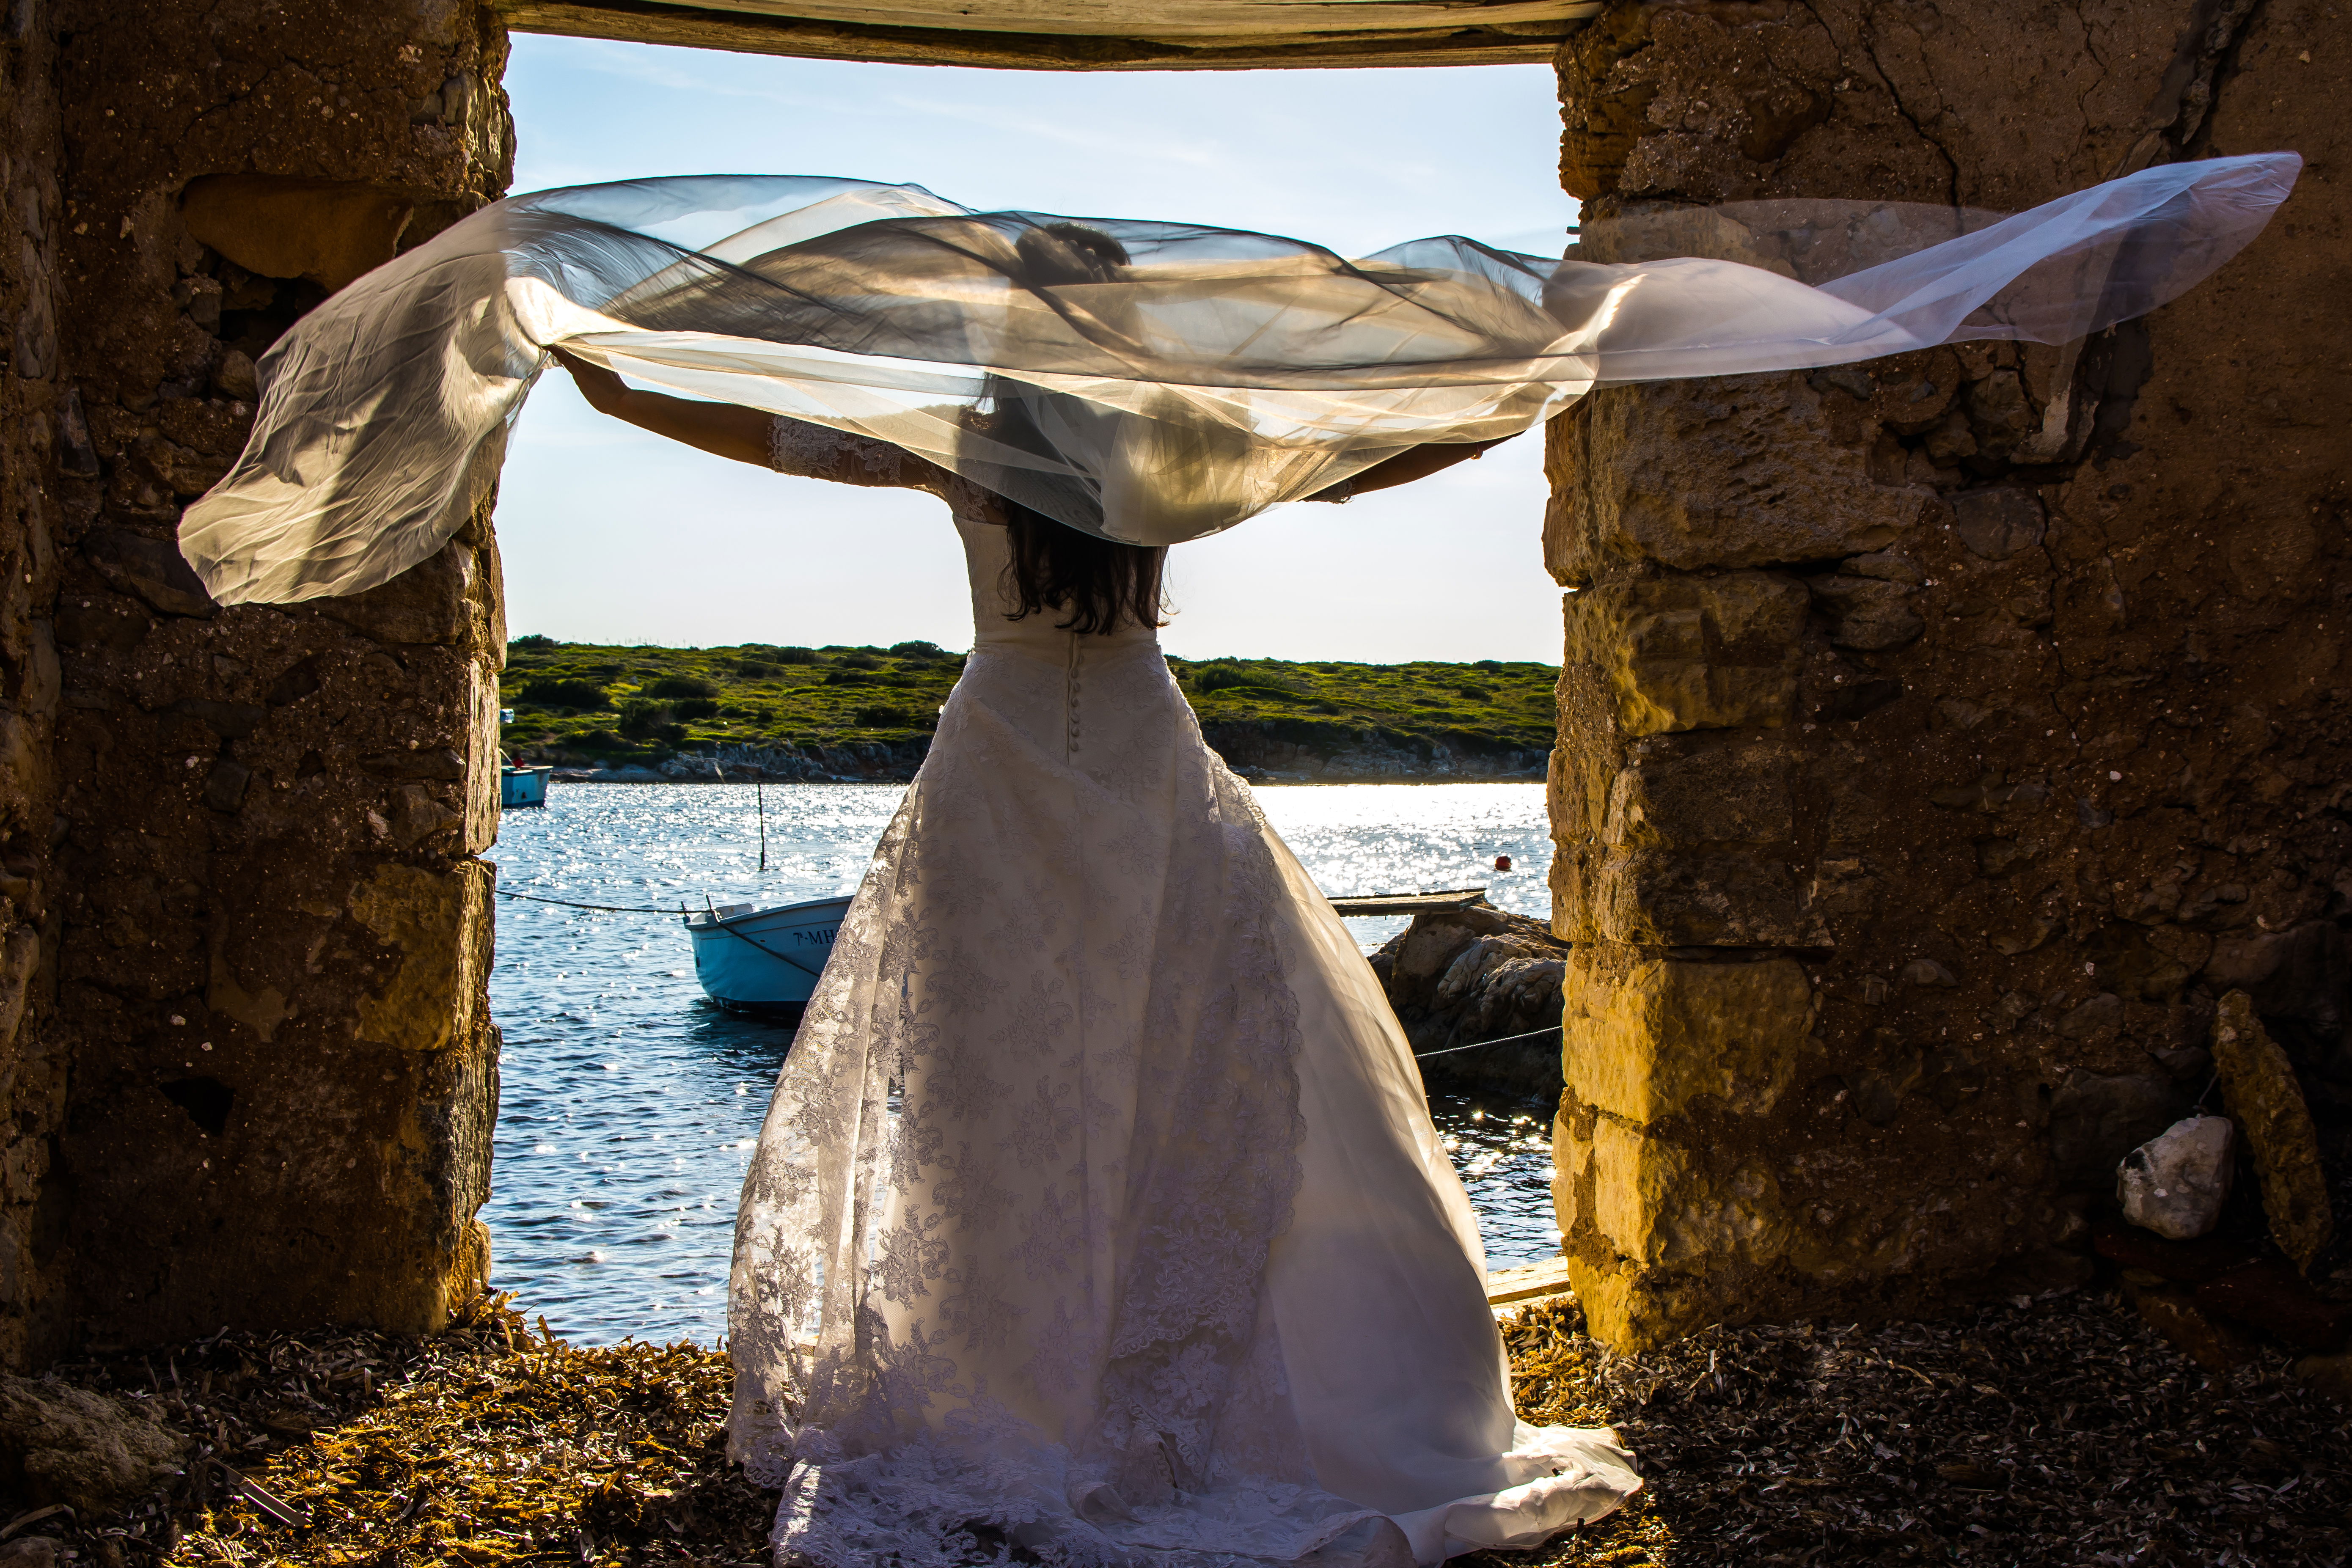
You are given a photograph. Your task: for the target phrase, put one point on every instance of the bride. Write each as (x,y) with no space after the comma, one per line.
(1100,1166)
(1097,1216)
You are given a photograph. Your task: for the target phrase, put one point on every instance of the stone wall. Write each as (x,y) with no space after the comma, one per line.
(1940,736)
(246,929)
(40,439)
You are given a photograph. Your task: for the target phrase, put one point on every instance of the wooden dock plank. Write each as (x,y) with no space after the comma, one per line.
(1514,1286)
(1412,903)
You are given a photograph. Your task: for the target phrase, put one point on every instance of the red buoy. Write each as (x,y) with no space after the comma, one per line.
(1502,862)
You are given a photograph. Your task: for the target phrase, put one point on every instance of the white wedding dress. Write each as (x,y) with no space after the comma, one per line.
(1098,1213)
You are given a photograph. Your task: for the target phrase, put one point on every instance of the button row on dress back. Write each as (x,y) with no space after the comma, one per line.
(1070,702)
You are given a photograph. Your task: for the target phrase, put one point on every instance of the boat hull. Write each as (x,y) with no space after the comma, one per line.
(764,961)
(523,786)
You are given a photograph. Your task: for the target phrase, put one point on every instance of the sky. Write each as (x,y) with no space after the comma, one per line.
(612,535)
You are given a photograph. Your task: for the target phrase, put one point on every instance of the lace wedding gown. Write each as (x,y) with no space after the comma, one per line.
(1098,1212)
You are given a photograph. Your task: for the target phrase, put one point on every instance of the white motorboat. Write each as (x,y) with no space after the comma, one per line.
(756,960)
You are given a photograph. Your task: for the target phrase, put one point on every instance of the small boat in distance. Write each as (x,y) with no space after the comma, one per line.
(522,787)
(767,961)
(763,961)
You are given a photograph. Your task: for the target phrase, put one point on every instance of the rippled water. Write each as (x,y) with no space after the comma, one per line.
(629,1104)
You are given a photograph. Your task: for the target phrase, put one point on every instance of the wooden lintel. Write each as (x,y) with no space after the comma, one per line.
(649,22)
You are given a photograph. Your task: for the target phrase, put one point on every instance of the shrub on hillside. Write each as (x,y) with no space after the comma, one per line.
(1219,676)
(531,642)
(681,686)
(895,718)
(584,695)
(918,650)
(860,661)
(694,707)
(799,655)
(641,720)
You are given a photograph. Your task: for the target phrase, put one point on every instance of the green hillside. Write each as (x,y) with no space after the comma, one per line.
(580,702)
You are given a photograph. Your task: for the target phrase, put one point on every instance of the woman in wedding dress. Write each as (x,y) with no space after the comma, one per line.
(1166,1257)
(1097,1216)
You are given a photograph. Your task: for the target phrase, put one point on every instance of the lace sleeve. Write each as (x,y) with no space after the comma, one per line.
(816,452)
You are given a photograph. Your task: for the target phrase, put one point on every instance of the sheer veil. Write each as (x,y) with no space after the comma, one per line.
(1148,381)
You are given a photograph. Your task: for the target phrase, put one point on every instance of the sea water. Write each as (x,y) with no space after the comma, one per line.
(629,1103)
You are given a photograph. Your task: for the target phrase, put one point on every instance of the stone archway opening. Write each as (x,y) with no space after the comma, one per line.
(1940,741)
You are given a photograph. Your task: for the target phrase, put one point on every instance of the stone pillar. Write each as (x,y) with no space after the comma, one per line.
(1939,736)
(272,1069)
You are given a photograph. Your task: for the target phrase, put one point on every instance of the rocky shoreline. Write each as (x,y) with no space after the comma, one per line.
(1461,978)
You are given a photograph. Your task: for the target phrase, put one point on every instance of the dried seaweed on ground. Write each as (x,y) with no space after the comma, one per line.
(487,1445)
(2061,1432)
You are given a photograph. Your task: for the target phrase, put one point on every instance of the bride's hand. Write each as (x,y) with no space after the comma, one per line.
(604,391)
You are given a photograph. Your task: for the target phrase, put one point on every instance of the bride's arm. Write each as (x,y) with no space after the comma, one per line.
(753,434)
(720,428)
(1404,467)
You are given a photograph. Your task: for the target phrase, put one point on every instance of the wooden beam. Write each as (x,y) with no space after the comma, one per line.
(1534,1282)
(1168,20)
(648,22)
(1447,903)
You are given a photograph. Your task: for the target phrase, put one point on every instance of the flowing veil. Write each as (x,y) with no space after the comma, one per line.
(1208,375)
(1098,1212)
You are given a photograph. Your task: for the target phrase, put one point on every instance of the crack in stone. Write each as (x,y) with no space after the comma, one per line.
(1894,95)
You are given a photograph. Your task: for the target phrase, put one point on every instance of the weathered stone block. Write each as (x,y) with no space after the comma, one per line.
(1662,1204)
(1694,846)
(1674,797)
(87,1451)
(1867,613)
(153,569)
(482,762)
(1725,898)
(1655,1235)
(1644,1038)
(426,604)
(439,923)
(1998,523)
(2259,1083)
(1692,653)
(1738,471)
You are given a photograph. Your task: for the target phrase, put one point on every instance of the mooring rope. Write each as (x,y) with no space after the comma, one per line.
(608,908)
(1506,1039)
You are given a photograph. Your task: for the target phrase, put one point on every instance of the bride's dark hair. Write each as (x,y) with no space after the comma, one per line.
(1100,583)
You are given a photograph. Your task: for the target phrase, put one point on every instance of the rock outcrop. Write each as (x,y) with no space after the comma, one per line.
(2176,1182)
(59,1444)
(1463,976)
